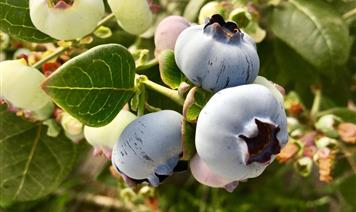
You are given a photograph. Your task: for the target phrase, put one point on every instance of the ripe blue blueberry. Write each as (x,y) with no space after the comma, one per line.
(204,175)
(149,148)
(217,55)
(240,130)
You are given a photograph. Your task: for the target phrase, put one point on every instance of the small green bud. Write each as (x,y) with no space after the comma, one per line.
(241,16)
(304,166)
(72,127)
(4,40)
(328,125)
(326,142)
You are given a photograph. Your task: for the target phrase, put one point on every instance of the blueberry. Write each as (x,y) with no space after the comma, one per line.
(217,55)
(204,175)
(240,130)
(168,31)
(149,148)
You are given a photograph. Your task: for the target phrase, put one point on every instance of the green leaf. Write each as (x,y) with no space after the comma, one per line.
(94,86)
(348,191)
(15,20)
(315,31)
(32,164)
(293,67)
(194,103)
(170,73)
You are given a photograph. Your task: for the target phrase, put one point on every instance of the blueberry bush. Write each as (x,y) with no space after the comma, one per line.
(167,105)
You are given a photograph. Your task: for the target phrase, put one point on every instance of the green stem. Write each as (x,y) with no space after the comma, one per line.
(149,64)
(141,101)
(151,108)
(316,105)
(326,112)
(349,14)
(318,202)
(56,53)
(104,20)
(171,94)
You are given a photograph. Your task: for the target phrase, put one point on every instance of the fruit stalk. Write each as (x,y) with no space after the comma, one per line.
(171,94)
(142,100)
(56,53)
(316,105)
(349,14)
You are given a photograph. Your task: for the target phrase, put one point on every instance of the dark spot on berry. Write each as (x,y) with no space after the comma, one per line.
(146,157)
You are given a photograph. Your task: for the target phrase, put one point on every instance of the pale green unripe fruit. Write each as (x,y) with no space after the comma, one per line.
(69,23)
(134,16)
(209,10)
(20,85)
(107,135)
(271,87)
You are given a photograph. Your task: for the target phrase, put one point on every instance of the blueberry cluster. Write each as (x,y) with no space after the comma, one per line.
(240,129)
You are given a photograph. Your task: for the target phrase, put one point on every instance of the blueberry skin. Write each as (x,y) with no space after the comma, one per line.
(149,147)
(215,58)
(228,116)
(205,176)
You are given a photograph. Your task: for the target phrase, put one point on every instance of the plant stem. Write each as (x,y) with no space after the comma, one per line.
(56,53)
(326,112)
(150,64)
(104,20)
(151,108)
(141,101)
(316,105)
(171,94)
(318,202)
(350,13)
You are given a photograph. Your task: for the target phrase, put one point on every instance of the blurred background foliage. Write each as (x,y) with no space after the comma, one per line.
(307,46)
